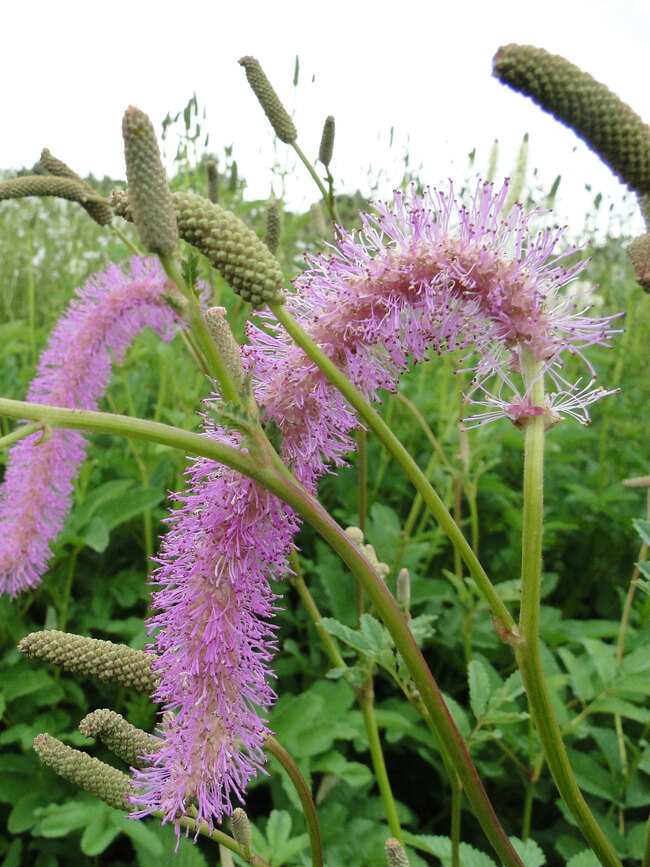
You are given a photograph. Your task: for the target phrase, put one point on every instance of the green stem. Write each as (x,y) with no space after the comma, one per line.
(456,803)
(20,432)
(527,648)
(329,645)
(646,848)
(329,200)
(190,824)
(266,472)
(366,697)
(215,363)
(306,800)
(504,621)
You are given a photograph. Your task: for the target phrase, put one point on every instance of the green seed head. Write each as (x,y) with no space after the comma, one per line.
(639,253)
(242,259)
(103,660)
(151,203)
(269,100)
(122,738)
(395,854)
(327,141)
(213,181)
(590,109)
(272,236)
(241,829)
(100,211)
(215,319)
(91,775)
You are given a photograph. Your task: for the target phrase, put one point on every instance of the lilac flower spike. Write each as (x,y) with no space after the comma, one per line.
(73,371)
(424,274)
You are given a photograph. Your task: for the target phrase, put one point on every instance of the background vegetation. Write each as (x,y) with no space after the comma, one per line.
(96,585)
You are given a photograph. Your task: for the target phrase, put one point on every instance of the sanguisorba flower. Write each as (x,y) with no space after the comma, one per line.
(73,371)
(425,273)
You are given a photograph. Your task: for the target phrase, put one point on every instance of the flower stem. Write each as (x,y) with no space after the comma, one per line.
(306,800)
(366,698)
(327,198)
(215,363)
(527,648)
(506,626)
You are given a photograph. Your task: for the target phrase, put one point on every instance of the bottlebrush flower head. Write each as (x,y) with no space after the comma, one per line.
(428,273)
(424,273)
(73,371)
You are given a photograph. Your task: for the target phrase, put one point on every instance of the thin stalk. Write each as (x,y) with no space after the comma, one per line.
(264,469)
(216,366)
(527,649)
(329,645)
(646,848)
(366,698)
(456,803)
(190,824)
(506,626)
(362,474)
(126,241)
(20,432)
(329,200)
(306,800)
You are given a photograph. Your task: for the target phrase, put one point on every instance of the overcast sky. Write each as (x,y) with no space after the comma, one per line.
(69,69)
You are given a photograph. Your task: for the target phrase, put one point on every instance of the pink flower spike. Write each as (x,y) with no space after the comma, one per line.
(95,331)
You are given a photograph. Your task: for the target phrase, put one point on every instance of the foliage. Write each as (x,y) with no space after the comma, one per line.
(97,586)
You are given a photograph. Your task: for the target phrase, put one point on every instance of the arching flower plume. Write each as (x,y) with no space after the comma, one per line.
(423,274)
(73,371)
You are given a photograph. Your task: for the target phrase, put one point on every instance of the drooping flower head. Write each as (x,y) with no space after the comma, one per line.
(73,371)
(424,274)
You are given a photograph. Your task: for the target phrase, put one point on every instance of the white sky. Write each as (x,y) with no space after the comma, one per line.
(70,68)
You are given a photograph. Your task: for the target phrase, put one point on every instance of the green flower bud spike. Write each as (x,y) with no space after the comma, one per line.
(213,181)
(395,854)
(242,259)
(241,831)
(44,185)
(327,141)
(639,253)
(269,100)
(122,738)
(101,212)
(105,782)
(215,318)
(607,125)
(272,236)
(103,660)
(149,195)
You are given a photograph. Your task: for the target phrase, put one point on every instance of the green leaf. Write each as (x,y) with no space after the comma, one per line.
(643,529)
(592,777)
(23,815)
(58,820)
(604,658)
(334,762)
(350,637)
(578,675)
(610,704)
(479,687)
(586,858)
(529,852)
(441,847)
(96,535)
(99,834)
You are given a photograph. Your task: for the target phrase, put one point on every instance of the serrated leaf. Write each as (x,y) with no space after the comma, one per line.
(604,658)
(479,687)
(585,858)
(375,633)
(529,852)
(611,704)
(278,830)
(344,633)
(23,815)
(96,535)
(58,820)
(441,847)
(578,675)
(643,529)
(99,835)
